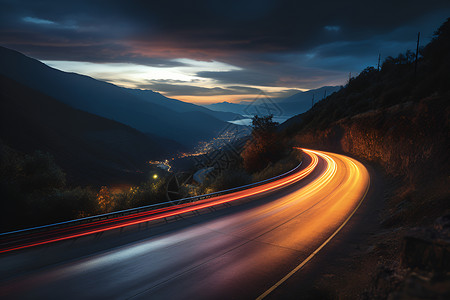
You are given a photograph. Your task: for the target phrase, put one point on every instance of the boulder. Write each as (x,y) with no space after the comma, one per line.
(428,249)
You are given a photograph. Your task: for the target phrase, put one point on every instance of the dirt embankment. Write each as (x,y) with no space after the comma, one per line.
(410,141)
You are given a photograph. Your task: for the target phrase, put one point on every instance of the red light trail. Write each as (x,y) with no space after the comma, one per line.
(75,231)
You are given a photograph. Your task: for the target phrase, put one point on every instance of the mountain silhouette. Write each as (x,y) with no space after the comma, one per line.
(180,106)
(133,108)
(91,149)
(290,106)
(302,101)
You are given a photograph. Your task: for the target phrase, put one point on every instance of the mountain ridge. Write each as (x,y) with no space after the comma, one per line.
(289,106)
(90,148)
(181,106)
(109,101)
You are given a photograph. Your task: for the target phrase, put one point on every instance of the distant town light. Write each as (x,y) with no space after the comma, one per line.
(155,176)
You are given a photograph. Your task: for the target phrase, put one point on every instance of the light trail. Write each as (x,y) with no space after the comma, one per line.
(244,251)
(357,172)
(157,214)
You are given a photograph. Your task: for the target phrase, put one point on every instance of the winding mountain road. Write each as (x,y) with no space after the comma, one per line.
(246,247)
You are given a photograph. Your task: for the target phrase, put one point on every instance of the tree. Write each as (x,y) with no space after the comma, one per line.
(39,172)
(265,145)
(105,200)
(263,125)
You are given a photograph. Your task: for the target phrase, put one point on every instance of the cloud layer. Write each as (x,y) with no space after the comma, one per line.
(268,43)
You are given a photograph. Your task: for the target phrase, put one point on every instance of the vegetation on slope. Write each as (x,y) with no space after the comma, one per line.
(395,117)
(264,155)
(398,117)
(34,191)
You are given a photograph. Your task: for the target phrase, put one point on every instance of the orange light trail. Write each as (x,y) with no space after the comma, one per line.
(245,252)
(157,214)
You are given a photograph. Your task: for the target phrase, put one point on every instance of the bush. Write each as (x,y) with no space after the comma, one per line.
(33,192)
(62,205)
(150,192)
(265,145)
(39,172)
(230,179)
(279,167)
(31,173)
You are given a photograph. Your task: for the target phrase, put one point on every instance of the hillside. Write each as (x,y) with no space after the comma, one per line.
(301,102)
(90,149)
(292,105)
(112,102)
(396,118)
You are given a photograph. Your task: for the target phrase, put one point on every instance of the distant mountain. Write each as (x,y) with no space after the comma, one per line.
(319,94)
(290,106)
(303,101)
(180,106)
(228,107)
(91,149)
(112,102)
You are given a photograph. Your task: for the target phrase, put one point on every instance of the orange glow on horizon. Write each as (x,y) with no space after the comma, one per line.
(204,100)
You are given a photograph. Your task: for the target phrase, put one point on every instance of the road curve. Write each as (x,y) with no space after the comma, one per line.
(240,252)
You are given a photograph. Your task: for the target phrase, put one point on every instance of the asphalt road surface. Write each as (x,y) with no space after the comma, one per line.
(241,250)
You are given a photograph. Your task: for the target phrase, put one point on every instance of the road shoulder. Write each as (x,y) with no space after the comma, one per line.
(346,266)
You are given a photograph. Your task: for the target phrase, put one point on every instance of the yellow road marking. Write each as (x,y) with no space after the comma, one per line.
(282,280)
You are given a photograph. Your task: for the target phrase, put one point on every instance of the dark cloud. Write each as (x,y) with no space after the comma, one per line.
(284,73)
(99,53)
(173,88)
(241,76)
(260,26)
(276,43)
(235,25)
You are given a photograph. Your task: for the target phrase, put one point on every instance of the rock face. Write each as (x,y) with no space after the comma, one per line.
(386,280)
(428,249)
(416,286)
(410,140)
(424,268)
(425,262)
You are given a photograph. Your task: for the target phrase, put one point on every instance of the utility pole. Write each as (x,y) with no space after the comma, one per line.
(417,55)
(312,101)
(325,94)
(379,58)
(349,77)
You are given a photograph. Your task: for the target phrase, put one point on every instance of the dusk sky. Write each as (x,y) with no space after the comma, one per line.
(214,51)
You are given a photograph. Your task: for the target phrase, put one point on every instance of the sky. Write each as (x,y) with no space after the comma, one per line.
(213,51)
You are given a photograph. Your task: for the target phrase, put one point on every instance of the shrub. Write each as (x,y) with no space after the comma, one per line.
(230,179)
(62,205)
(279,167)
(265,145)
(149,192)
(40,172)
